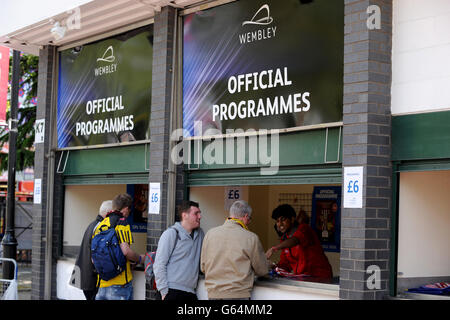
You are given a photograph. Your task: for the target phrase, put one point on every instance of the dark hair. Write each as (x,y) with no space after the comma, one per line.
(303,217)
(184,207)
(122,201)
(283,210)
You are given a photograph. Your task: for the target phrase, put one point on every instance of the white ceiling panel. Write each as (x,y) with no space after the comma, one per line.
(80,22)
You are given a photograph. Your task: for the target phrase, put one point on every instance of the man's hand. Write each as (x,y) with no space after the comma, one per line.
(131,256)
(270,252)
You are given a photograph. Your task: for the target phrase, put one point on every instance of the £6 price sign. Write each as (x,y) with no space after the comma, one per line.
(232,194)
(154,198)
(353,187)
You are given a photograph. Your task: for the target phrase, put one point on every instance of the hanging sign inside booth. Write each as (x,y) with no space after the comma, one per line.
(326,216)
(232,194)
(104,90)
(139,210)
(263,64)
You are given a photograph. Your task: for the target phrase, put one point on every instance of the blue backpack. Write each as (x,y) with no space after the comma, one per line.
(106,254)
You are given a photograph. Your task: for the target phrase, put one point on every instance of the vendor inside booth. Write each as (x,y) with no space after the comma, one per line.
(324,219)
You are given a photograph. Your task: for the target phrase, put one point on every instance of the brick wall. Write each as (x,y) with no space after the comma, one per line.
(365,233)
(163,51)
(43,110)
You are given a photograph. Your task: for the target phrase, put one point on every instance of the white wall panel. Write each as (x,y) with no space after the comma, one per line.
(420,56)
(424,220)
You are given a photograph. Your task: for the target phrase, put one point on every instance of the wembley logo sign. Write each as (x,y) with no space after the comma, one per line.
(260,18)
(108,57)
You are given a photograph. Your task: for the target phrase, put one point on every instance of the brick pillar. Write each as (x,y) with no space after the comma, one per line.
(365,232)
(162,76)
(43,111)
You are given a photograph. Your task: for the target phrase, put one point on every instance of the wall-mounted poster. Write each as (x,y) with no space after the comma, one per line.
(263,64)
(104,90)
(4,74)
(139,211)
(326,216)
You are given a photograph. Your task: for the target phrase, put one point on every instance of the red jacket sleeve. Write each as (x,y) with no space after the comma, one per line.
(303,235)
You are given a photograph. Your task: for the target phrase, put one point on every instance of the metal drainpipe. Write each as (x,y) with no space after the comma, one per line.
(50,187)
(394,230)
(171,169)
(9,241)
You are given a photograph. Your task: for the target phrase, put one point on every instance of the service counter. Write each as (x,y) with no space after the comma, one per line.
(265,288)
(65,291)
(268,288)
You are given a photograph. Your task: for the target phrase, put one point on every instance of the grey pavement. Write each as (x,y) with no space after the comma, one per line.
(24,281)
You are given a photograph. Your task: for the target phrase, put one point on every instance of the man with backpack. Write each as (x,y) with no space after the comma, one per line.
(86,272)
(177,261)
(111,252)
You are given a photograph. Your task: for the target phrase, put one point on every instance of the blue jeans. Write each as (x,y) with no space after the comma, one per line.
(124,292)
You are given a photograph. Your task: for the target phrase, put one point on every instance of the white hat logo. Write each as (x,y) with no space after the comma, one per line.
(267,19)
(109,58)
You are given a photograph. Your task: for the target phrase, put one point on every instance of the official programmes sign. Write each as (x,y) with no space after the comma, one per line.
(263,64)
(104,90)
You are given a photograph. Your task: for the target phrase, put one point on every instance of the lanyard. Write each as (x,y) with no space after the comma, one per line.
(239,222)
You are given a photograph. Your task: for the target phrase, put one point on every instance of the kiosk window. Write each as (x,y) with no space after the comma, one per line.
(264,199)
(81,208)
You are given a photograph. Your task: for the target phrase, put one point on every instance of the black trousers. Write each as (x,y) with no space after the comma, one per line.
(180,295)
(90,294)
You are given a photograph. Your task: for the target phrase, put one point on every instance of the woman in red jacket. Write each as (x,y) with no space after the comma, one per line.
(302,252)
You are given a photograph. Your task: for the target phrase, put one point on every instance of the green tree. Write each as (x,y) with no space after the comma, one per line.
(26,116)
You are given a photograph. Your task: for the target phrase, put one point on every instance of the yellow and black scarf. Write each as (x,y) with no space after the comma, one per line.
(239,222)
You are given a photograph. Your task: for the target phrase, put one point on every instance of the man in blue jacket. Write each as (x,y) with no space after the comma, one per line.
(177,261)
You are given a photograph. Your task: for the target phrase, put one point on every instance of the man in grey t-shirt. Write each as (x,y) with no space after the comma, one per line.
(177,261)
